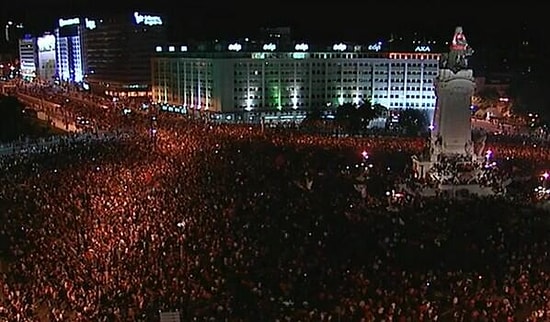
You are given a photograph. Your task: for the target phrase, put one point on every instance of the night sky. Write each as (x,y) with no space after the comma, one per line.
(343,20)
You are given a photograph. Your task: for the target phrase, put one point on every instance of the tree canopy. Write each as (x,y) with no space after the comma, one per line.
(356,118)
(413,121)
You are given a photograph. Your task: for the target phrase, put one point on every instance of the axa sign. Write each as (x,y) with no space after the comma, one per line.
(422,49)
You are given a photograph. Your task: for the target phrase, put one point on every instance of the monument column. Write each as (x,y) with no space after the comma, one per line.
(454,87)
(452,123)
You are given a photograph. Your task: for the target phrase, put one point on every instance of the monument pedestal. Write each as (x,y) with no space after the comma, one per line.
(421,167)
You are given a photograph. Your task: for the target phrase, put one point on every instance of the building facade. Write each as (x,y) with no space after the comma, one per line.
(70,59)
(119,51)
(28,57)
(236,80)
(46,67)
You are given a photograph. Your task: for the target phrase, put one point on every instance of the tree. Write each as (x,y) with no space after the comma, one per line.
(11,118)
(314,114)
(356,118)
(413,121)
(344,115)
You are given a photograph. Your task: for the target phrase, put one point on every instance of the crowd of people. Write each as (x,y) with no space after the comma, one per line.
(227,222)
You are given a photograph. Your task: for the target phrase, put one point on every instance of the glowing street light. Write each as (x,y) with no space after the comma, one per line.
(365,155)
(545,175)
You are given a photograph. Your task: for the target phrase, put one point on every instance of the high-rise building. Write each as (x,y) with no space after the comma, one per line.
(46,67)
(70,62)
(119,51)
(236,79)
(28,56)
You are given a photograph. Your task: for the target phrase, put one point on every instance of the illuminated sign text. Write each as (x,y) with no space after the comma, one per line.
(422,49)
(339,47)
(68,22)
(147,19)
(235,47)
(269,47)
(301,47)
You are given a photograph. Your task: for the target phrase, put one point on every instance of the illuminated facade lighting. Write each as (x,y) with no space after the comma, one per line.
(28,57)
(259,81)
(69,58)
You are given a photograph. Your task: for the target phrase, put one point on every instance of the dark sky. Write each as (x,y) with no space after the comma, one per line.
(343,19)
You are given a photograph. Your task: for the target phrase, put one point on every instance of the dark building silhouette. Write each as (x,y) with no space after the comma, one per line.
(119,51)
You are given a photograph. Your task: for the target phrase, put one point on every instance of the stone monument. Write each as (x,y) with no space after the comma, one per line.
(450,159)
(454,85)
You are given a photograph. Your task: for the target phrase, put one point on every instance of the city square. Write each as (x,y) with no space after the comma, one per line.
(213,196)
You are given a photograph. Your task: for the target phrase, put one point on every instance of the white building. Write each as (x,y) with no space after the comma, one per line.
(232,79)
(28,57)
(46,57)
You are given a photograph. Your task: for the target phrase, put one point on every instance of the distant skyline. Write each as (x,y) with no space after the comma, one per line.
(346,20)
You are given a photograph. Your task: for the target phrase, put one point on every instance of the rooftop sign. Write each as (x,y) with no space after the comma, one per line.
(301,47)
(339,47)
(269,47)
(375,47)
(422,49)
(68,22)
(235,47)
(147,20)
(90,24)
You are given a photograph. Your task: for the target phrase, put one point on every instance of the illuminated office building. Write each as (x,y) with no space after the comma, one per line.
(46,67)
(233,78)
(69,50)
(119,51)
(28,57)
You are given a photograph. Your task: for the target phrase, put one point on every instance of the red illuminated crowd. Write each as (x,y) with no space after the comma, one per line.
(235,223)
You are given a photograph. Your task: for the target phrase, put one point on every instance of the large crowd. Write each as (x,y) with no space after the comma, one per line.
(239,223)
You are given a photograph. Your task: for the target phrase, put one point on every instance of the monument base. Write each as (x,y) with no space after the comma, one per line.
(421,167)
(456,176)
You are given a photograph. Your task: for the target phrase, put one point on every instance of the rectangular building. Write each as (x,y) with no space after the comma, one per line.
(234,80)
(119,51)
(46,58)
(28,57)
(69,50)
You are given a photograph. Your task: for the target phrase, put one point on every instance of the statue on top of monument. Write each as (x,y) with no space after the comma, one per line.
(457,58)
